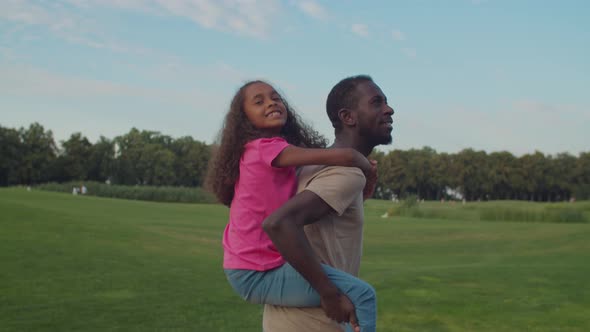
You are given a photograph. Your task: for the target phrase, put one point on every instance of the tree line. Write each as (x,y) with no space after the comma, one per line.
(30,156)
(477,175)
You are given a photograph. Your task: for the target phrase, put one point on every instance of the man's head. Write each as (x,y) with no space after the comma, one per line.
(356,104)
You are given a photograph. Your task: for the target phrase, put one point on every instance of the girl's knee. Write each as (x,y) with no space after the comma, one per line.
(364,292)
(370,292)
(367,288)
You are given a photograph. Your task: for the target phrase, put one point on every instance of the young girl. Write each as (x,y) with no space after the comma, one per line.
(253,172)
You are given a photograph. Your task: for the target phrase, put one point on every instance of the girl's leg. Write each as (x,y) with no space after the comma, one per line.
(282,286)
(360,293)
(286,287)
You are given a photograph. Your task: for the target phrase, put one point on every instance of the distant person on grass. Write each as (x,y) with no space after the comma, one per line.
(253,172)
(326,215)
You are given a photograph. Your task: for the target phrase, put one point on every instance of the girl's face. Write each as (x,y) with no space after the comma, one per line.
(264,108)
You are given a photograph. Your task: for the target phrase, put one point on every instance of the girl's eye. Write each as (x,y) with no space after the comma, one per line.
(258,102)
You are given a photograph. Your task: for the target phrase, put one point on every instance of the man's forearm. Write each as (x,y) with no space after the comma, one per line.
(285,229)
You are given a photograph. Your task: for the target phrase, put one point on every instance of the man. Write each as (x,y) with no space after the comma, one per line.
(330,206)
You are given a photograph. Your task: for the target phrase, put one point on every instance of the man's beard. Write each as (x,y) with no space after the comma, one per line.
(375,139)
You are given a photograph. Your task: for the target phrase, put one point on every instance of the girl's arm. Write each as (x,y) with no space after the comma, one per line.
(296,156)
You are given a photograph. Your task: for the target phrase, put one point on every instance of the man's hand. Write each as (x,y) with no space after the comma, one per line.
(339,308)
(371,178)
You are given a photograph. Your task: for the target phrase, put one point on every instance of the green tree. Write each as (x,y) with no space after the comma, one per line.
(501,174)
(471,167)
(102,160)
(191,160)
(157,164)
(142,157)
(128,150)
(581,176)
(38,154)
(11,152)
(563,172)
(441,177)
(535,167)
(392,178)
(74,159)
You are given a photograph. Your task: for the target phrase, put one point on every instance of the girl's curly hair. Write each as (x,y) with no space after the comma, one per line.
(237,130)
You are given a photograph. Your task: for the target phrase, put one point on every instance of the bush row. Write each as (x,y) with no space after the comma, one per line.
(559,213)
(143,193)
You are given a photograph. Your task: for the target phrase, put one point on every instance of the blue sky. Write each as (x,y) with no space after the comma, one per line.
(487,74)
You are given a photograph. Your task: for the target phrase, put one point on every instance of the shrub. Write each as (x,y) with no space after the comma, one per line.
(495,211)
(144,193)
(408,208)
(564,214)
(507,213)
(547,214)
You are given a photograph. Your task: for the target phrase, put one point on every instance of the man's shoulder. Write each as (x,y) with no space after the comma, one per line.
(337,186)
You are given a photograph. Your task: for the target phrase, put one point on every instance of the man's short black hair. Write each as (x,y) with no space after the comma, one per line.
(344,95)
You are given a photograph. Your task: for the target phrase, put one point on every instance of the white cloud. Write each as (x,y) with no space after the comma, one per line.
(62,22)
(536,107)
(25,81)
(360,30)
(253,18)
(312,9)
(220,76)
(28,13)
(30,81)
(398,35)
(409,52)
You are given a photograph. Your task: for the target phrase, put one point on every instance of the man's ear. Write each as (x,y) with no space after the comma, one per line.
(347,117)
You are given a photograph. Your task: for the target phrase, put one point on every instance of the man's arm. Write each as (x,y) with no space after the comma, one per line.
(285,229)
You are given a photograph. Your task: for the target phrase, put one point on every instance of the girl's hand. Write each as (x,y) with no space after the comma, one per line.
(360,161)
(371,182)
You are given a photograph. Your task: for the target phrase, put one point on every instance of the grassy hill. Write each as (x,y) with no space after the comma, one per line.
(73,263)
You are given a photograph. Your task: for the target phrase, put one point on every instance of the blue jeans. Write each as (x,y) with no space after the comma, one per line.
(284,286)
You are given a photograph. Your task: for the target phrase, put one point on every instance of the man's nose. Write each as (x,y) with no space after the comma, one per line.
(389,110)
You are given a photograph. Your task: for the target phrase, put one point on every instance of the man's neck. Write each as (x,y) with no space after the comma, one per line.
(352,141)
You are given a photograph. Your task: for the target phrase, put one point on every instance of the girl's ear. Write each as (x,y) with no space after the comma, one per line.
(347,117)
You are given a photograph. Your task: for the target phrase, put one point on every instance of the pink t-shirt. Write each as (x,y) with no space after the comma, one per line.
(259,191)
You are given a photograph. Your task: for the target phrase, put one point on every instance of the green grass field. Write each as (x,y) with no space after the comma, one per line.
(72,263)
